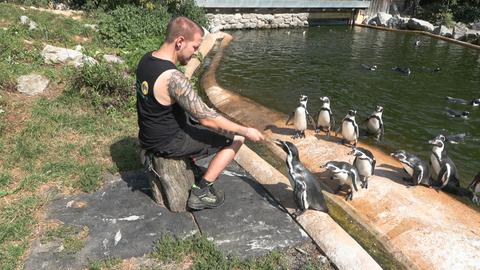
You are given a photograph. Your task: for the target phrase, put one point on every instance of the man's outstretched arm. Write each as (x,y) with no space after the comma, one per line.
(181,90)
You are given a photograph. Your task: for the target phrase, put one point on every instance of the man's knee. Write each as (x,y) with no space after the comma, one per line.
(237,139)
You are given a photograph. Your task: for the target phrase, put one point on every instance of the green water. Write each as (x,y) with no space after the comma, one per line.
(273,67)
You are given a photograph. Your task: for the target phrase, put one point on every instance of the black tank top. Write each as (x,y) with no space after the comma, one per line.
(158,124)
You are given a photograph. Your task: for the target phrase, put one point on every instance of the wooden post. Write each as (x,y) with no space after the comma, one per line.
(171,181)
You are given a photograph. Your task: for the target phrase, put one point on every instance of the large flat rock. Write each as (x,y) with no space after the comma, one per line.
(122,220)
(250,223)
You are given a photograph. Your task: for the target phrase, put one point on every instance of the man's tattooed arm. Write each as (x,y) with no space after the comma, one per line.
(180,89)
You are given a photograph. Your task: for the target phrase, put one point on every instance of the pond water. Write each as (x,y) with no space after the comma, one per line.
(273,67)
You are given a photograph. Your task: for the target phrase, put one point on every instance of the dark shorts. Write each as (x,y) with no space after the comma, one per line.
(195,141)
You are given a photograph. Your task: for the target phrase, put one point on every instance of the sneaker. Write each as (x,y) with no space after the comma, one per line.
(207,197)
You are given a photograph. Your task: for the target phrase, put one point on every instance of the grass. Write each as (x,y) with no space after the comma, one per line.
(201,253)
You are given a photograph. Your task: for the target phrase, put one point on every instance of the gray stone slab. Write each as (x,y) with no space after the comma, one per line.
(282,4)
(250,223)
(122,221)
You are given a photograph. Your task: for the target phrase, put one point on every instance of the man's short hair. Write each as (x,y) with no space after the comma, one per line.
(182,26)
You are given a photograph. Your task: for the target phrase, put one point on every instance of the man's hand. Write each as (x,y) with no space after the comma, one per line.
(253,135)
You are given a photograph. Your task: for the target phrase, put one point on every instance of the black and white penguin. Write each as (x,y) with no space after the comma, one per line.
(346,174)
(364,162)
(369,67)
(444,171)
(416,168)
(301,117)
(325,119)
(349,128)
(405,71)
(375,123)
(474,186)
(455,113)
(306,189)
(474,102)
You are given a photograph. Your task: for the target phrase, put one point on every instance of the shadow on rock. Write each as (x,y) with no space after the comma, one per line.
(281,131)
(125,155)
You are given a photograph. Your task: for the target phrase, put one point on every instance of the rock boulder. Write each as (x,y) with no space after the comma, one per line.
(32,85)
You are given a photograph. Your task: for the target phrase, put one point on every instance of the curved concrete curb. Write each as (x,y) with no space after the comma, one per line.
(466,44)
(422,228)
(339,246)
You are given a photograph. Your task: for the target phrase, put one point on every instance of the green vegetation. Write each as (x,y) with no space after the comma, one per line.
(446,12)
(83,126)
(203,254)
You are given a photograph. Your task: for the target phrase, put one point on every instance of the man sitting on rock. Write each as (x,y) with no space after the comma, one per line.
(165,97)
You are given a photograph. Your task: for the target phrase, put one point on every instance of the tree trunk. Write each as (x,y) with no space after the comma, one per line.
(171,181)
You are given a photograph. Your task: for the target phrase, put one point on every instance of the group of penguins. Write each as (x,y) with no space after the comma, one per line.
(441,173)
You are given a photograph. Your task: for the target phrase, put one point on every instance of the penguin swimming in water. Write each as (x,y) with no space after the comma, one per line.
(405,71)
(474,186)
(455,113)
(346,174)
(325,119)
(364,162)
(416,168)
(369,67)
(474,102)
(349,128)
(306,189)
(444,171)
(375,123)
(300,118)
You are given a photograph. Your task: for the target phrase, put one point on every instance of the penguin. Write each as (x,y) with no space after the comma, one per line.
(364,162)
(474,186)
(349,128)
(417,43)
(369,67)
(444,171)
(455,113)
(474,102)
(405,71)
(455,138)
(346,174)
(375,123)
(431,70)
(300,118)
(306,189)
(415,167)
(325,119)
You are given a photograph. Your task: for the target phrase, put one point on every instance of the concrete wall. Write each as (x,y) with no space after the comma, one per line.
(254,21)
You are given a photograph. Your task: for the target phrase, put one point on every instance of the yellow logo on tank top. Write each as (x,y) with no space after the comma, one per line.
(145,87)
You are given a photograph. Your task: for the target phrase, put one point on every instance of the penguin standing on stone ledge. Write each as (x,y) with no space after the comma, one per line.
(415,167)
(444,171)
(375,123)
(349,128)
(301,117)
(364,162)
(306,189)
(325,119)
(345,174)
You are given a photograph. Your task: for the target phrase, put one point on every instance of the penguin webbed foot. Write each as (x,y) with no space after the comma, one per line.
(476,200)
(298,213)
(364,184)
(349,196)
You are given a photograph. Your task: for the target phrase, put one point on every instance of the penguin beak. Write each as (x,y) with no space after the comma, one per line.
(278,142)
(324,165)
(351,152)
(432,142)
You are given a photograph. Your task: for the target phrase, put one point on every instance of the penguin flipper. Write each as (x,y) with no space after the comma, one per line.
(354,180)
(374,162)
(417,176)
(332,121)
(443,175)
(474,181)
(310,119)
(289,118)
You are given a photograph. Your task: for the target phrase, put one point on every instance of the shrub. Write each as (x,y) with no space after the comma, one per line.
(466,13)
(130,25)
(186,8)
(104,85)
